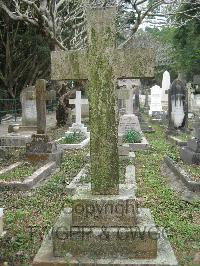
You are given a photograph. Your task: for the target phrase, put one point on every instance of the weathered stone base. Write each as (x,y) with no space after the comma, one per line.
(41,149)
(164,255)
(105,210)
(46,157)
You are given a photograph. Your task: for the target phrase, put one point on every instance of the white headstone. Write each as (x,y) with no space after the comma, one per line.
(78,126)
(1,221)
(165,87)
(156,96)
(28,102)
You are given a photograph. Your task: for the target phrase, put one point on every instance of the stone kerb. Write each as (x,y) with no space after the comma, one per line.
(29,182)
(75,146)
(182,175)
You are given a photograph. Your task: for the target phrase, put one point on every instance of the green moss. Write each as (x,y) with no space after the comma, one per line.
(103,129)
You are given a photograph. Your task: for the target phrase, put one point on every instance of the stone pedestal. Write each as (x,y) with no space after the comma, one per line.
(191,153)
(1,222)
(105,227)
(106,230)
(41,149)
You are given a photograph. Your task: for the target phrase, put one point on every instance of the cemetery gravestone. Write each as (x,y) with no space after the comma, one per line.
(29,112)
(106,194)
(178,108)
(165,88)
(79,102)
(156,105)
(191,153)
(40,148)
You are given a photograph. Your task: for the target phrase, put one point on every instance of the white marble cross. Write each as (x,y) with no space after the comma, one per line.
(78,102)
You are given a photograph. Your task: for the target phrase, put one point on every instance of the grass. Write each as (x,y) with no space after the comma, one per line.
(12,156)
(184,137)
(72,138)
(29,216)
(19,173)
(169,211)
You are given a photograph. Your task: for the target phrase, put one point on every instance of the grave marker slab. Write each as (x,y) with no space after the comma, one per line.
(178,107)
(156,105)
(28,102)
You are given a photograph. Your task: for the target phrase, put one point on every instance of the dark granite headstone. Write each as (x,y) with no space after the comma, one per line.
(191,153)
(177,106)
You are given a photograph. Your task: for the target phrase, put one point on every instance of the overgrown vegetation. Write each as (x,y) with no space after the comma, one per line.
(29,216)
(72,138)
(19,173)
(179,218)
(132,136)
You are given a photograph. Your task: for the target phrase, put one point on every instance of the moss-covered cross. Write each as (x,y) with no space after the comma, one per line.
(102,64)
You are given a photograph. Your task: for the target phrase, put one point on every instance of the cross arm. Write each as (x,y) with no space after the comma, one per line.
(134,63)
(70,65)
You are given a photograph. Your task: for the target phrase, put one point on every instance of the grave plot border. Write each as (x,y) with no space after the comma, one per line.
(76,146)
(144,145)
(29,182)
(176,142)
(181,174)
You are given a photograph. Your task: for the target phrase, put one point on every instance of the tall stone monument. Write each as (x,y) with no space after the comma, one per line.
(178,107)
(98,227)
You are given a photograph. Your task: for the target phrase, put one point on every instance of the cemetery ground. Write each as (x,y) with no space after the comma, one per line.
(30,215)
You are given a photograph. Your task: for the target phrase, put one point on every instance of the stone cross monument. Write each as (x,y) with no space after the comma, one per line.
(102,63)
(107,207)
(78,126)
(41,148)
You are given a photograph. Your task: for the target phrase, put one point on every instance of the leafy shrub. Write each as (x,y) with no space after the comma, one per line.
(71,138)
(132,136)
